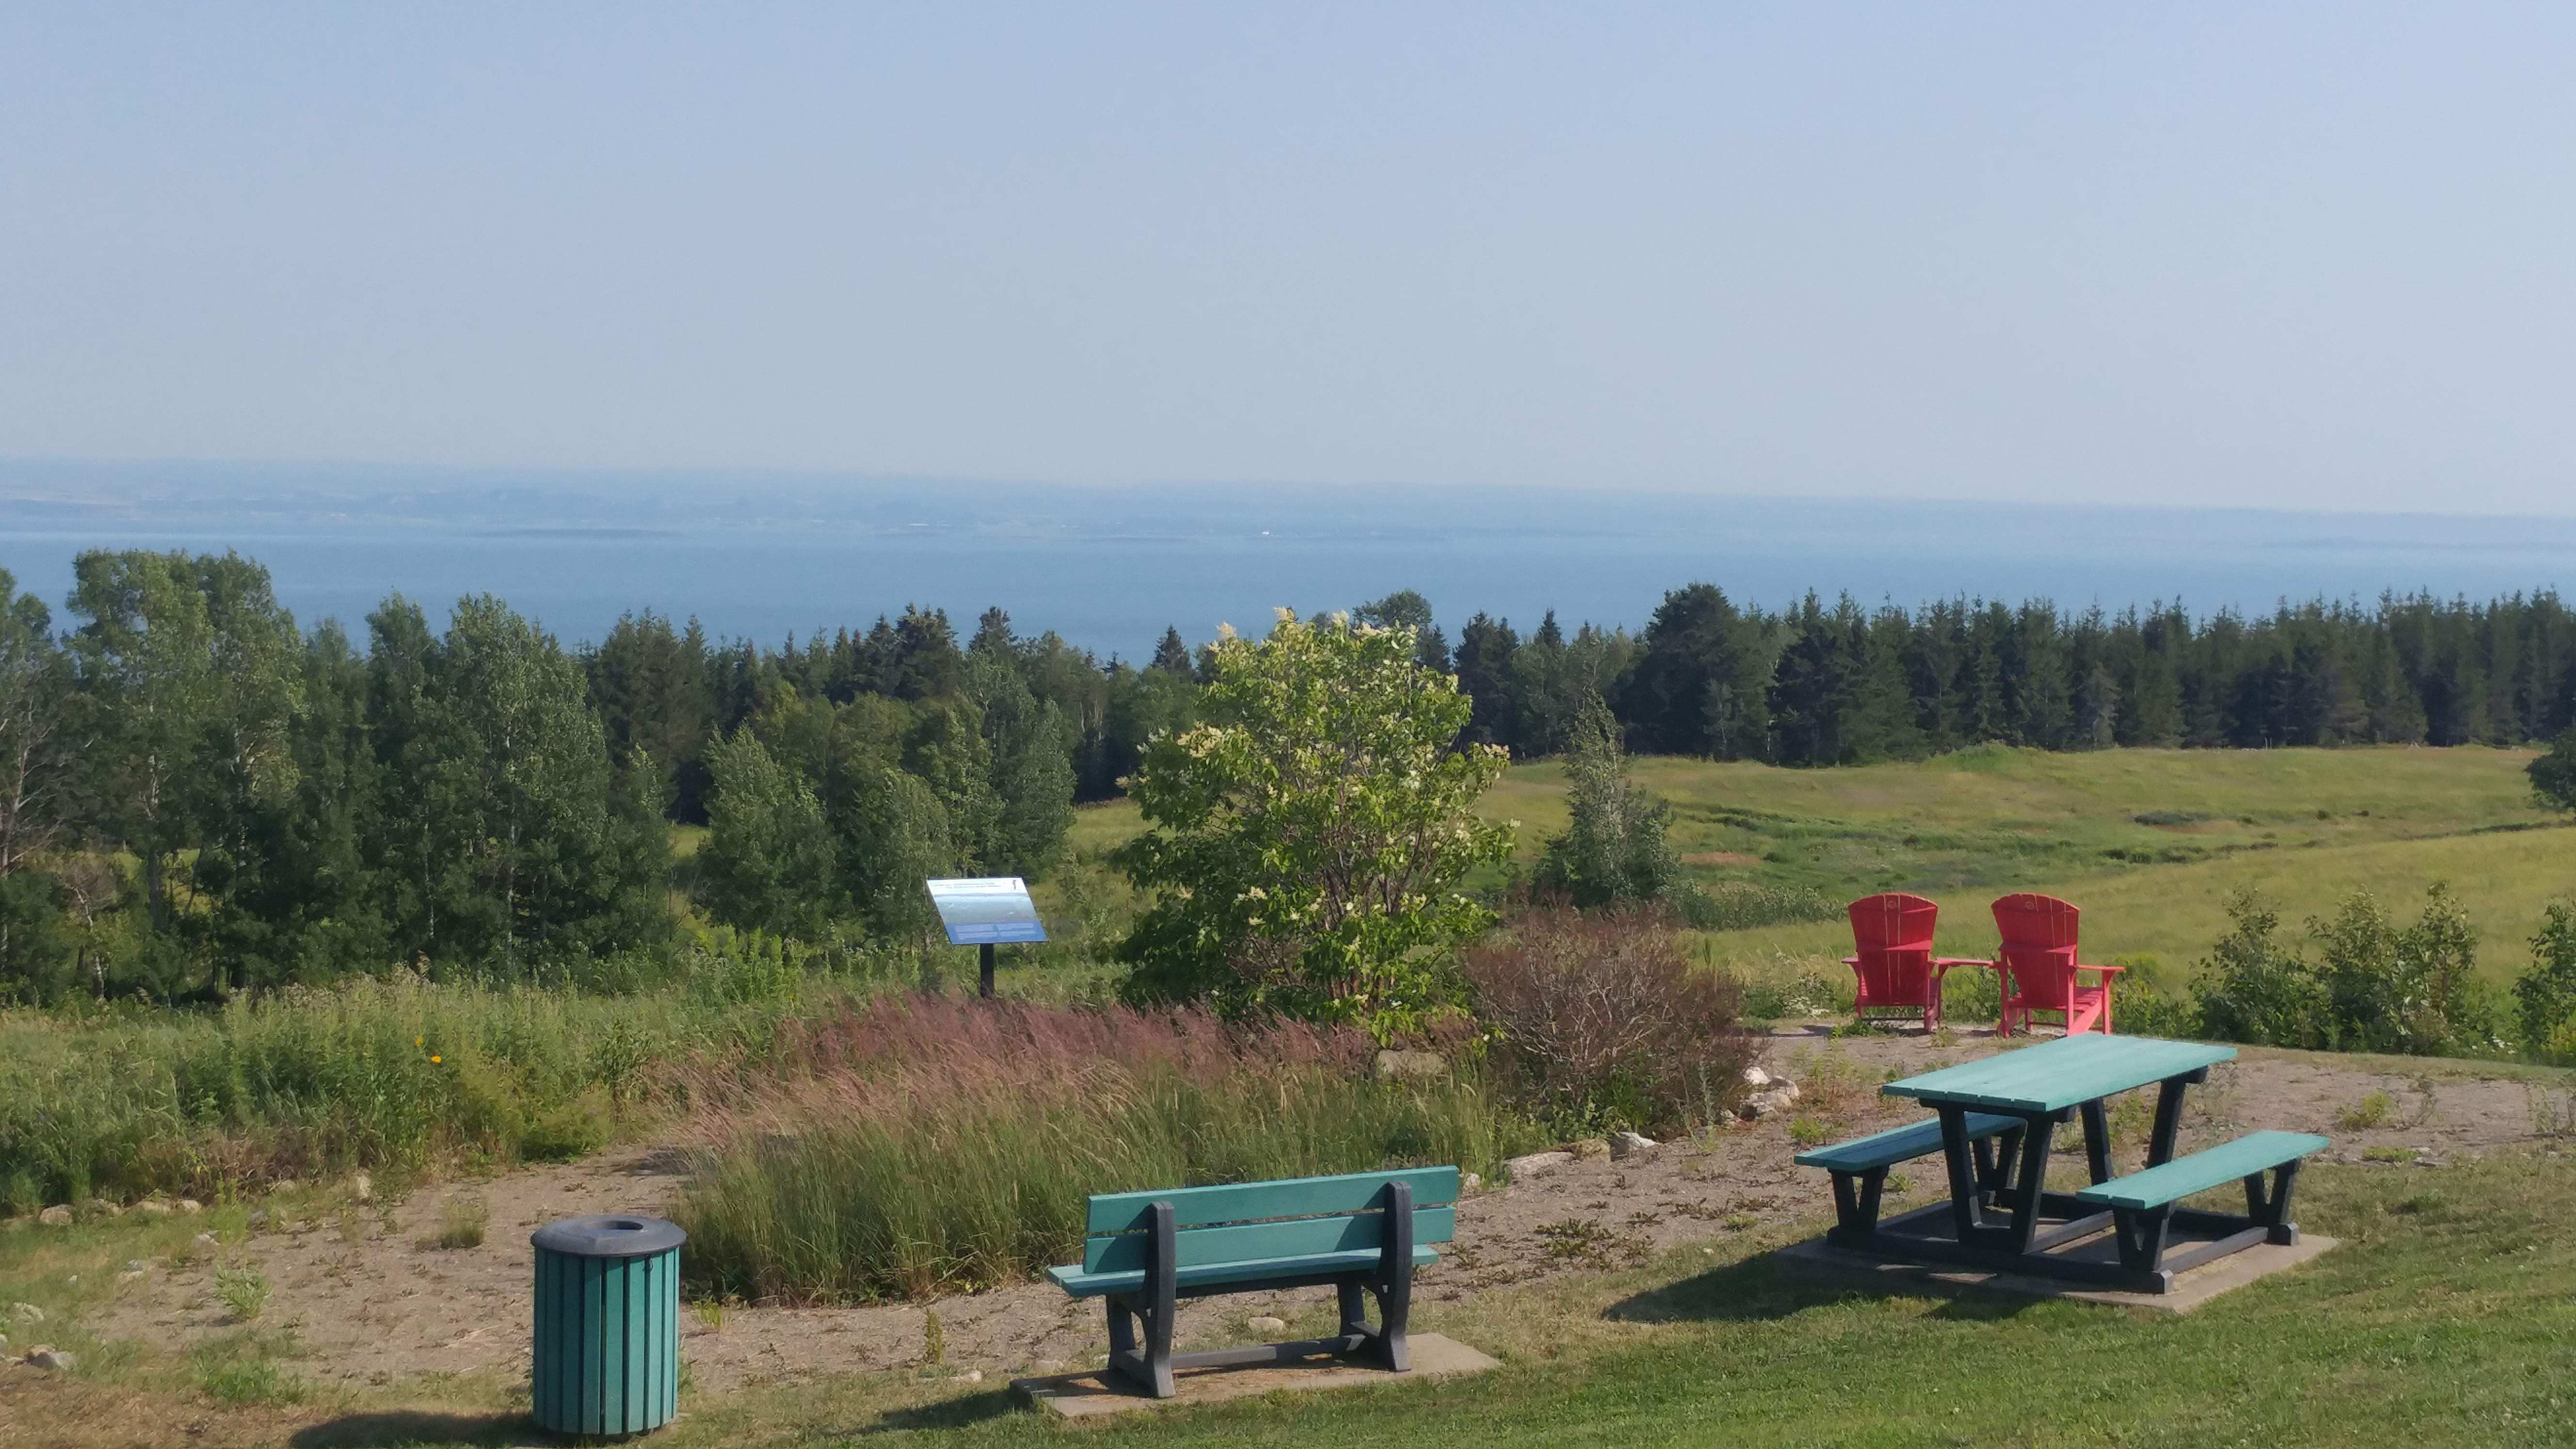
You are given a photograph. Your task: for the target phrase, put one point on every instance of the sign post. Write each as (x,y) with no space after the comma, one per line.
(984,912)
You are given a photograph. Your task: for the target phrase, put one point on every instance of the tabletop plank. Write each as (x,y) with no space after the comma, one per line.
(2056,1075)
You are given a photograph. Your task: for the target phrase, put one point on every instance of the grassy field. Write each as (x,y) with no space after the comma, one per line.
(2442,1319)
(2149,842)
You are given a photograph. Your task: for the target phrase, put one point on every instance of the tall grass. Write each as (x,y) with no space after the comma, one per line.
(924,1144)
(393,1075)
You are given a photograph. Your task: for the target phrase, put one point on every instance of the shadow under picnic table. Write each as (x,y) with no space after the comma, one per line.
(1762,1290)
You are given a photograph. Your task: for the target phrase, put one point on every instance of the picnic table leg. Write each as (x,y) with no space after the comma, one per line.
(1965,1214)
(2028,1184)
(2097,1141)
(2160,1146)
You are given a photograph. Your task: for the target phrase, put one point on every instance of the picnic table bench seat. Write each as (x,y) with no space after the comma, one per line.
(1859,1167)
(2142,1203)
(1363,1232)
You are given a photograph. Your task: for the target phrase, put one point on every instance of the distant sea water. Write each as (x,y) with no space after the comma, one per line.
(1109,569)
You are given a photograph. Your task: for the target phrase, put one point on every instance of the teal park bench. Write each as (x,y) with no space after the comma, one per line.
(1364,1233)
(2142,1203)
(1859,1167)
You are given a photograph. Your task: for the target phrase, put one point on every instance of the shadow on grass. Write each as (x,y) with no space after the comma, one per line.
(419,1426)
(1763,1289)
(947,1413)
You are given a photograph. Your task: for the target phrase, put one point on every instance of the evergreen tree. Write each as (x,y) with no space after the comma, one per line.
(1700,683)
(1615,847)
(1171,655)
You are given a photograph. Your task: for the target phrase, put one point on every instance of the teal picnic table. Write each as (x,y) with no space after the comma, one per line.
(2001,1215)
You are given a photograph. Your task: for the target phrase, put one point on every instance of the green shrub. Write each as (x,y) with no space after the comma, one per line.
(243,1292)
(2545,996)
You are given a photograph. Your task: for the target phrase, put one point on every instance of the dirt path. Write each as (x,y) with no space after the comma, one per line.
(375,1302)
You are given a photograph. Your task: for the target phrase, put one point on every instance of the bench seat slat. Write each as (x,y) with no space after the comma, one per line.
(2215,1167)
(1080,1284)
(1253,1242)
(1290,1197)
(1899,1144)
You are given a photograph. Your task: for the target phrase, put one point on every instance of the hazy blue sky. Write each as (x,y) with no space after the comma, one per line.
(2303,256)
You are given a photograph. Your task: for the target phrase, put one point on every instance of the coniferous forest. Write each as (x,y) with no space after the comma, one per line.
(199,794)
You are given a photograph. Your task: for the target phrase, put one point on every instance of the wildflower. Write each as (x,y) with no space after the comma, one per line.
(435,1059)
(420,1041)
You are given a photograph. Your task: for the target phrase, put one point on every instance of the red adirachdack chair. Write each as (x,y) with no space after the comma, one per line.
(1892,935)
(2040,972)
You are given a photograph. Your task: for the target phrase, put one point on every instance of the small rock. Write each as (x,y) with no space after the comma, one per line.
(206,1240)
(46,1356)
(1535,1163)
(189,1207)
(259,1218)
(26,1313)
(1630,1144)
(1589,1147)
(1470,1182)
(1395,1066)
(152,1207)
(971,1376)
(362,1188)
(1786,1088)
(1266,1324)
(286,1184)
(99,1207)
(1763,1104)
(129,1277)
(57,1216)
(1756,1077)
(137,1265)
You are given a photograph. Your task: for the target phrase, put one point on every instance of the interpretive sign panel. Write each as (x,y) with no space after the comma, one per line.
(987,911)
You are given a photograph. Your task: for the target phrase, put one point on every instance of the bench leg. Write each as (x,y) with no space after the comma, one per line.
(1150,1366)
(1856,1206)
(2271,1211)
(2141,1233)
(1395,1272)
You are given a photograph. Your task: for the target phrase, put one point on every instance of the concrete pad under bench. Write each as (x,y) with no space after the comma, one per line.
(1099,1392)
(2191,1289)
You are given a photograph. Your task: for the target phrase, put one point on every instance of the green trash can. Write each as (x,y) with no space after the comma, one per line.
(608,1324)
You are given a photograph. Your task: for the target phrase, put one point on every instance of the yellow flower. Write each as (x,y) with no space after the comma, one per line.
(419,1040)
(435,1059)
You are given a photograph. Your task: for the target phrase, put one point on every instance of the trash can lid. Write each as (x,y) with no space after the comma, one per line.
(609,1235)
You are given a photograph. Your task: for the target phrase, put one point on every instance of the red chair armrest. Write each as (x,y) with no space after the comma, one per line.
(1851,960)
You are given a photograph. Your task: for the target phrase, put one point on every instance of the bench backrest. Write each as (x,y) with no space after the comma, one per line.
(2038,943)
(1892,946)
(1246,1222)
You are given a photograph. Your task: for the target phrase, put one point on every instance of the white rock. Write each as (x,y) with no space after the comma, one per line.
(971,1376)
(153,1207)
(1469,1182)
(206,1240)
(137,1265)
(26,1313)
(1756,1077)
(57,1216)
(189,1207)
(1630,1144)
(1787,1088)
(1267,1324)
(47,1356)
(130,1276)
(362,1188)
(1535,1163)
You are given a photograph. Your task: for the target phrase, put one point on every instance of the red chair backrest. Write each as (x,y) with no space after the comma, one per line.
(1893,934)
(1893,923)
(2039,942)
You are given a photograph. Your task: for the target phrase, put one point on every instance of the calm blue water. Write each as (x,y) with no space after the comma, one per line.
(1109,570)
